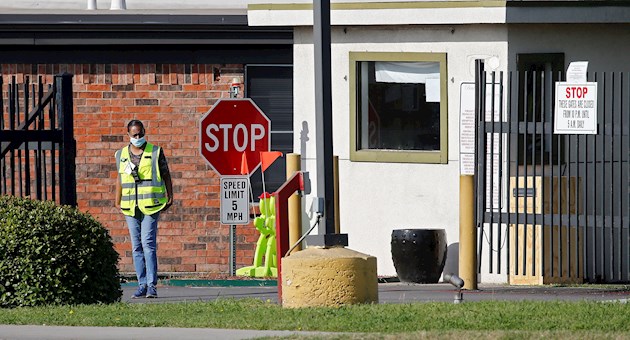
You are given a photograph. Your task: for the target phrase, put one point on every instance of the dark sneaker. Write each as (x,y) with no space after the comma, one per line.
(151,292)
(140,293)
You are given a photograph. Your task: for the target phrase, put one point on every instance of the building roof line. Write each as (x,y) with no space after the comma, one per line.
(122,19)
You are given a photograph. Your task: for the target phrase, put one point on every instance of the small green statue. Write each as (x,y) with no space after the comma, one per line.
(266,225)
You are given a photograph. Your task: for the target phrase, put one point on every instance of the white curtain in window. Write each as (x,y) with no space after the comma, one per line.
(406,72)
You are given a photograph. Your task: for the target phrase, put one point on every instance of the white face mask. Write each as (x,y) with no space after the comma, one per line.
(137,142)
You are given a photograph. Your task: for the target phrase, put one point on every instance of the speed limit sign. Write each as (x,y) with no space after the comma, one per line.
(234,200)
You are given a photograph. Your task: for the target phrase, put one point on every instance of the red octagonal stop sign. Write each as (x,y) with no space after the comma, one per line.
(229,129)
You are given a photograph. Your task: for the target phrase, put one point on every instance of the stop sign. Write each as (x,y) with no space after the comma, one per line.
(229,129)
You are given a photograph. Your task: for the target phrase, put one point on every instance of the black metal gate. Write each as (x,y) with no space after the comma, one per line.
(37,146)
(551,208)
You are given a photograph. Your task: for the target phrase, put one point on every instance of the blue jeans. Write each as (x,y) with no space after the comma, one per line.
(143,232)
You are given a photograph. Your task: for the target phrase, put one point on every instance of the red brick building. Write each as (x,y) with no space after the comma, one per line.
(167,74)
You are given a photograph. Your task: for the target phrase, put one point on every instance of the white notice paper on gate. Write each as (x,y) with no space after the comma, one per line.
(467,142)
(576,72)
(496,145)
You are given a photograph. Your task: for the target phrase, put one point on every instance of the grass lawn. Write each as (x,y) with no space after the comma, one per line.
(487,320)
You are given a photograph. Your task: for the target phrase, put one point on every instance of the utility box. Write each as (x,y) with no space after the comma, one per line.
(553,252)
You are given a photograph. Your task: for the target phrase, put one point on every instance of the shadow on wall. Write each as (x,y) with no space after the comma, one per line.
(303,139)
(451,266)
(306,207)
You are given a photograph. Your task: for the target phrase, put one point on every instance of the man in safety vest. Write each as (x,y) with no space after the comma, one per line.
(143,190)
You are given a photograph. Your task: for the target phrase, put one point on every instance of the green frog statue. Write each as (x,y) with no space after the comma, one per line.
(265,223)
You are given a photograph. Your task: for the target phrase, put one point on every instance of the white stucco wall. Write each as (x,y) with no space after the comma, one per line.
(401,16)
(376,198)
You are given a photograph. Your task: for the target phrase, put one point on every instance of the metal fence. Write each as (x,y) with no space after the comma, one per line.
(37,147)
(551,208)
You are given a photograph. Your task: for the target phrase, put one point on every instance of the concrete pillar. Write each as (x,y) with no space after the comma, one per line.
(319,277)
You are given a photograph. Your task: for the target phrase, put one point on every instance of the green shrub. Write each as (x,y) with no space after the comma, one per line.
(53,254)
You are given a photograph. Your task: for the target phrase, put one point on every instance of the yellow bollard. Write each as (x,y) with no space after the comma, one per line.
(328,277)
(295,212)
(336,193)
(467,233)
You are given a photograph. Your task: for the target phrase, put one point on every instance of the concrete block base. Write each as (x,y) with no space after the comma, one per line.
(319,277)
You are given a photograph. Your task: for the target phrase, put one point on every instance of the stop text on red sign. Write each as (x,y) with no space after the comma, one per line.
(238,136)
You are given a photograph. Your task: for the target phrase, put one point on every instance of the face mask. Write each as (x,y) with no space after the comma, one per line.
(137,142)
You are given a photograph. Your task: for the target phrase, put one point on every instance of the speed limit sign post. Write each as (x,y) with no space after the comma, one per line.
(234,200)
(234,209)
(233,130)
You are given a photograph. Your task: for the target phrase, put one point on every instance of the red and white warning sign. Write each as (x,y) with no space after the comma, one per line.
(233,128)
(576,108)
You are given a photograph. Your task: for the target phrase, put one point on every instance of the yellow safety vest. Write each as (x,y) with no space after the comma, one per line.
(149,194)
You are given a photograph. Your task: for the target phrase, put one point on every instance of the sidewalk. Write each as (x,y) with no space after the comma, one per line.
(10,332)
(388,293)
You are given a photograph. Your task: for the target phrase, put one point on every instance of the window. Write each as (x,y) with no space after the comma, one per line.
(271,88)
(398,107)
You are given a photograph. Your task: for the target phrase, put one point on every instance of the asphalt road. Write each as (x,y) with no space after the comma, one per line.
(397,293)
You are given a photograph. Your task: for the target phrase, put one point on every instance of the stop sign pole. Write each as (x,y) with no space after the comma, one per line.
(231,129)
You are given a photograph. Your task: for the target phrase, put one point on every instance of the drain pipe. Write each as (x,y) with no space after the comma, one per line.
(118,4)
(91,4)
(458,283)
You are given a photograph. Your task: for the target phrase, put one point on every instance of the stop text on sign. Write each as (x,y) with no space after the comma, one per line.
(576,91)
(239,136)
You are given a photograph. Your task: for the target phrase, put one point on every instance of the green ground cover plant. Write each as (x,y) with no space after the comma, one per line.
(52,254)
(511,317)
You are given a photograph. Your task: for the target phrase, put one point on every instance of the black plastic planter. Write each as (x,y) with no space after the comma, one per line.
(419,254)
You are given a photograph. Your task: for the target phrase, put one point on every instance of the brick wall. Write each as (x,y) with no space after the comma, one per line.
(169,99)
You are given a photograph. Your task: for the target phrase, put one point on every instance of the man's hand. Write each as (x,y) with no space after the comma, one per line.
(169,202)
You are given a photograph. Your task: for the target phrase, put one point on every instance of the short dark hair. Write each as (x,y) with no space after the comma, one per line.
(135,122)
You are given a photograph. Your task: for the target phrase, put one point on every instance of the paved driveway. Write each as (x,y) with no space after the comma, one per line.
(399,293)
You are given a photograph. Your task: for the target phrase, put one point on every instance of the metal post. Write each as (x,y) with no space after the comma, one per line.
(336,183)
(480,158)
(293,184)
(467,232)
(295,211)
(232,250)
(323,116)
(67,151)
